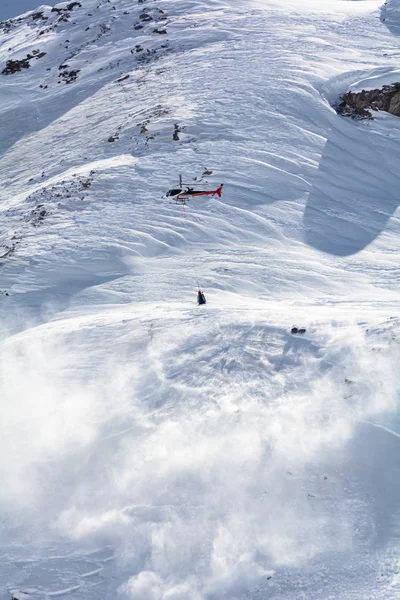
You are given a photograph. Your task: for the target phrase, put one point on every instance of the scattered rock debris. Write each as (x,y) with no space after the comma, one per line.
(68,76)
(36,215)
(54,18)
(42,203)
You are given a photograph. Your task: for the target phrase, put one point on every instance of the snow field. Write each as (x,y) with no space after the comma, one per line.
(232,426)
(165,451)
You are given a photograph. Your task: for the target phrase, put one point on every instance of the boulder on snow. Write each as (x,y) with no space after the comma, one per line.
(358,104)
(39,15)
(14,66)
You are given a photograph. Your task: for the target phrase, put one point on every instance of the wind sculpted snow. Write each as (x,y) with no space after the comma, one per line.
(152,449)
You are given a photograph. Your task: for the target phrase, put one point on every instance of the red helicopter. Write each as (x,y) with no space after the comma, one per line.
(183,194)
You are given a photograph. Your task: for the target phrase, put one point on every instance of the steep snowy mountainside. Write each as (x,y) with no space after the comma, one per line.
(156,450)
(165,79)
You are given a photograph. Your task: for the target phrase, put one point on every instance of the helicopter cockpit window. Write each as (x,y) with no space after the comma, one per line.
(174,192)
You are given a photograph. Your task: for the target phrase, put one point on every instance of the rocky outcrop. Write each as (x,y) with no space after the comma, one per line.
(359,104)
(14,66)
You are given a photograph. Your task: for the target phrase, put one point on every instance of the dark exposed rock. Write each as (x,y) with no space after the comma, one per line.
(13,66)
(10,24)
(359,104)
(69,76)
(39,15)
(69,7)
(297,330)
(36,215)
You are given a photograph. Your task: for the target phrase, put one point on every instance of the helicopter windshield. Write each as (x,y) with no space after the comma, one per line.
(174,192)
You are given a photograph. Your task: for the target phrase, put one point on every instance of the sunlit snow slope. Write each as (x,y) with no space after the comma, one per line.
(152,449)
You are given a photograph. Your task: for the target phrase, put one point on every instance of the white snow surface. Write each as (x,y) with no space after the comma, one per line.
(152,449)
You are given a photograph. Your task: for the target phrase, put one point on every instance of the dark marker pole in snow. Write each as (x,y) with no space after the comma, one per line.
(201,299)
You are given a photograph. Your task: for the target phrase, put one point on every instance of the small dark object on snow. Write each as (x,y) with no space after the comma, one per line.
(201,299)
(175,135)
(297,330)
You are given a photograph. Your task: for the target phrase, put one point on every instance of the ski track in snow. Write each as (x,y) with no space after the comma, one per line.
(152,449)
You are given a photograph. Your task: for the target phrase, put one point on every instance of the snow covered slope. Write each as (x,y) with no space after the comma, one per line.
(153,449)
